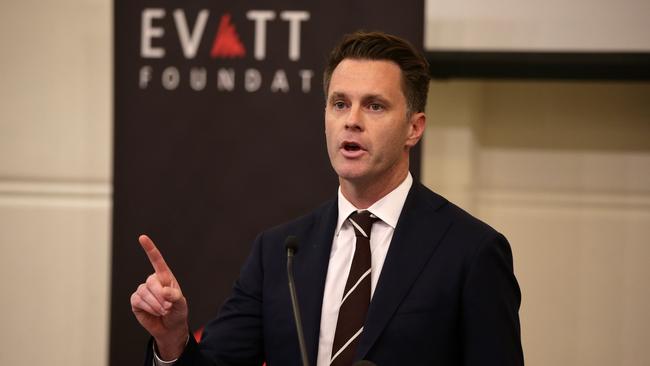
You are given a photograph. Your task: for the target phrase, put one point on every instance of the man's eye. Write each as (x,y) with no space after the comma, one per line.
(376,107)
(339,105)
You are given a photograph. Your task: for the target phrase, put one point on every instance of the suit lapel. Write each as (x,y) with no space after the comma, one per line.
(417,235)
(310,272)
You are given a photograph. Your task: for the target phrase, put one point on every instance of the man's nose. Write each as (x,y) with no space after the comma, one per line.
(354,118)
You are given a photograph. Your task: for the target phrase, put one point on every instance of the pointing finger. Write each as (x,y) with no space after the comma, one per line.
(159,265)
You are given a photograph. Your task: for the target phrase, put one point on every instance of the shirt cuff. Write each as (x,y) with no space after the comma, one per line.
(157,361)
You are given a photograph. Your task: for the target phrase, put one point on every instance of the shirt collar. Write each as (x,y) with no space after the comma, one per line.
(387,209)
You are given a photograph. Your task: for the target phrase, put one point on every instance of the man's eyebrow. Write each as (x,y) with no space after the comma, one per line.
(336,95)
(365,98)
(375,97)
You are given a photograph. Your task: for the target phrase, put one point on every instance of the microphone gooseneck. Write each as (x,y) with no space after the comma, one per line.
(291,245)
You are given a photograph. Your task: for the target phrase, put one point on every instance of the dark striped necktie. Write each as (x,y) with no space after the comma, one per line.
(356,297)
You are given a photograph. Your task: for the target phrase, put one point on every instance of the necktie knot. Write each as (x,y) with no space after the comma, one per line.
(362,222)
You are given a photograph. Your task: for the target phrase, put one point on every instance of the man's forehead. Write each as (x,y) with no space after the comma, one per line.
(366,63)
(379,78)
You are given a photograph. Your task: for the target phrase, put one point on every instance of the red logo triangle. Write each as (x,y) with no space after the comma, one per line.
(226,43)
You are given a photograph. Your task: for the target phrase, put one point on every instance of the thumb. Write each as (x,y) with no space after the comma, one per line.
(172,294)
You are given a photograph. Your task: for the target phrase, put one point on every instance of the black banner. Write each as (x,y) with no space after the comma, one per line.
(219,134)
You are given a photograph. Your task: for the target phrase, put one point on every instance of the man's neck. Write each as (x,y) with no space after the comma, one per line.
(363,194)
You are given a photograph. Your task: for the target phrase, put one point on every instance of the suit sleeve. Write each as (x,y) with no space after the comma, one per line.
(234,337)
(490,306)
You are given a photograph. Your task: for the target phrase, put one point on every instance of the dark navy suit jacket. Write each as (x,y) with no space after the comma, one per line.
(447,294)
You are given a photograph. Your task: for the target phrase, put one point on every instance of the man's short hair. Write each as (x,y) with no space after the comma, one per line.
(363,45)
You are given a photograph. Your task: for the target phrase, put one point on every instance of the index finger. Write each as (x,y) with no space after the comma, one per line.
(156,259)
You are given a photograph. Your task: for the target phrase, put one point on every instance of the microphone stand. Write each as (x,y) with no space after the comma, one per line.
(291,245)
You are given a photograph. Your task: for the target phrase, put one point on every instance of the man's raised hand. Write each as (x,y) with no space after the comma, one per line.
(159,305)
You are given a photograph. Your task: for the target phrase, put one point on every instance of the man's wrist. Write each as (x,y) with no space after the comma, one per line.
(170,351)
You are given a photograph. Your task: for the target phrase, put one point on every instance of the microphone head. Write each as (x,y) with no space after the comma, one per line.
(291,242)
(364,363)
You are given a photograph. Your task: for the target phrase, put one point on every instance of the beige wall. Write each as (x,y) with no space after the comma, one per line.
(529,25)
(55,192)
(563,170)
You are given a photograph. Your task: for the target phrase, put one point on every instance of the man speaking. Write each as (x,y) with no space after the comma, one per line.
(387,271)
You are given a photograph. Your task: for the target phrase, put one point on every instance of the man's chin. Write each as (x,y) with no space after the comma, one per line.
(352,175)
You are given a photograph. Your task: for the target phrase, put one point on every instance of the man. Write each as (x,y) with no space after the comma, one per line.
(388,271)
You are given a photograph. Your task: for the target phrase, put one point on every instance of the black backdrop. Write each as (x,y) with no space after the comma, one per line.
(214,141)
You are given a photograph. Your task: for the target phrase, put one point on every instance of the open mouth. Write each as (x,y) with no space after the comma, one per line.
(351,146)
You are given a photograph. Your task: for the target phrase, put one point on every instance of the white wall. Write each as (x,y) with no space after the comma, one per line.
(563,170)
(55,190)
(550,25)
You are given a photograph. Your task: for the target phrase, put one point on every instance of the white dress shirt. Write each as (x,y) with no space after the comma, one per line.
(387,209)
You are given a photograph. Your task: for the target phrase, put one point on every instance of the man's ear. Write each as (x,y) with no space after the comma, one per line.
(417,123)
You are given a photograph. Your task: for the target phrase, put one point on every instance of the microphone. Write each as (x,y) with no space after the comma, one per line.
(291,245)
